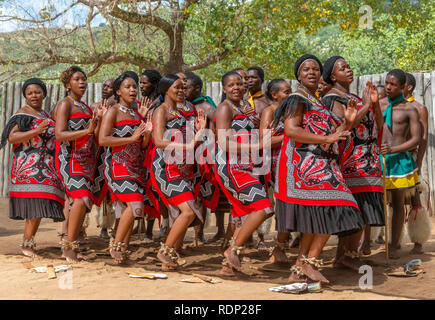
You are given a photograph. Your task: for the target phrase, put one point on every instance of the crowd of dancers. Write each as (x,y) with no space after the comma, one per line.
(312,157)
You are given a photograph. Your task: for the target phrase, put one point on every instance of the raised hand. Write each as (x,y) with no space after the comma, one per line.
(350,111)
(102,108)
(139,131)
(201,120)
(148,124)
(374,95)
(42,126)
(366,95)
(145,107)
(93,124)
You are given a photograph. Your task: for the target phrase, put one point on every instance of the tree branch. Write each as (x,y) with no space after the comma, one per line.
(10,18)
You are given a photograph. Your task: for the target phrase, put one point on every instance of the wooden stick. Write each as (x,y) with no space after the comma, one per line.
(385,209)
(50,271)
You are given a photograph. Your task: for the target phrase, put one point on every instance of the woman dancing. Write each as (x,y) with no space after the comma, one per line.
(234,168)
(36,190)
(311,196)
(127,136)
(360,162)
(78,158)
(173,163)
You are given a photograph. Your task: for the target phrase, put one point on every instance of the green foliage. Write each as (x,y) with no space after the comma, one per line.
(222,35)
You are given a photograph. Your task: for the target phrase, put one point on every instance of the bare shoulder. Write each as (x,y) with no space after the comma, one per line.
(268,112)
(23,110)
(420,107)
(205,106)
(223,106)
(383,102)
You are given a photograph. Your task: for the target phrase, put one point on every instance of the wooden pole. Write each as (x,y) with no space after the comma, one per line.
(385,209)
(2,126)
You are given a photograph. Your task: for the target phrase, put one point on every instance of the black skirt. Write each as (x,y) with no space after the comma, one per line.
(371,205)
(35,208)
(335,220)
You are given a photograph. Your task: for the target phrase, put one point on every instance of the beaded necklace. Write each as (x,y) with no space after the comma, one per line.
(41,113)
(349,95)
(78,104)
(127,109)
(182,107)
(312,98)
(236,108)
(175,113)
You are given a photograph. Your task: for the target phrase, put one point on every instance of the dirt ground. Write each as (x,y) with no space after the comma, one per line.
(100,279)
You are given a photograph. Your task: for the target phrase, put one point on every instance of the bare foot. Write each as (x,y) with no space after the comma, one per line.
(365,248)
(295,278)
(350,263)
(232,259)
(117,256)
(227,272)
(28,252)
(278,256)
(70,255)
(312,273)
(418,249)
(166,261)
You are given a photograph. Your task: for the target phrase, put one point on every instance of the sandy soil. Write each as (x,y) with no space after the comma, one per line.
(100,279)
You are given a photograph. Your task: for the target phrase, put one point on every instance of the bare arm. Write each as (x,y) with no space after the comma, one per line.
(266,120)
(339,109)
(106,138)
(16,136)
(294,130)
(423,115)
(63,110)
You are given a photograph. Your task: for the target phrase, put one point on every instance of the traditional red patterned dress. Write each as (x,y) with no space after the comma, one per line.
(311,194)
(172,173)
(270,177)
(36,190)
(360,161)
(80,162)
(125,171)
(235,172)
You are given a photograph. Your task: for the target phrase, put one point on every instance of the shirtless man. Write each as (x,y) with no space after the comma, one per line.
(106,92)
(401,133)
(256,98)
(194,95)
(258,101)
(417,235)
